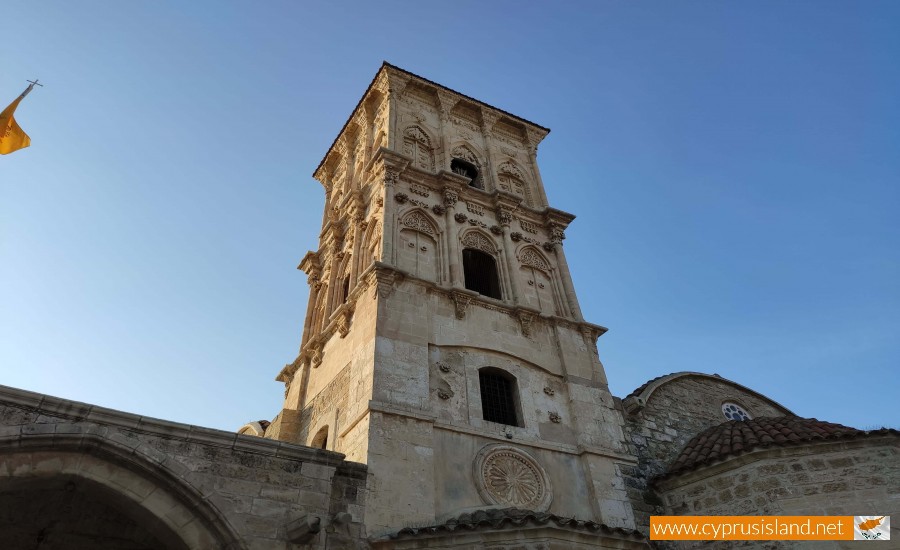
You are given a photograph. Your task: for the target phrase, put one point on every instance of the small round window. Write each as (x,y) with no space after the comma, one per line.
(733,411)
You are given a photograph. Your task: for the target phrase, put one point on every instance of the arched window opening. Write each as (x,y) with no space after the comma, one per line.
(498,396)
(480,272)
(321,439)
(345,289)
(466,169)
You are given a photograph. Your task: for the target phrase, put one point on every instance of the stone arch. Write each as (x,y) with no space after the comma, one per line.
(531,256)
(511,178)
(467,152)
(417,145)
(134,483)
(638,399)
(540,285)
(479,240)
(417,220)
(419,250)
(371,245)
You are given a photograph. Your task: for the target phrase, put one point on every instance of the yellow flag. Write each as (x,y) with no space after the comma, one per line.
(12,137)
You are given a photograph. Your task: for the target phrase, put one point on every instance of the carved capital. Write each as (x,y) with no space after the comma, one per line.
(504,216)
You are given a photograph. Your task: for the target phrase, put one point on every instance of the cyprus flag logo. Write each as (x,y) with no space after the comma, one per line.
(872,528)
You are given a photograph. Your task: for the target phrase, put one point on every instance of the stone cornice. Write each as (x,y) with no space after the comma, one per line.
(397,78)
(79,413)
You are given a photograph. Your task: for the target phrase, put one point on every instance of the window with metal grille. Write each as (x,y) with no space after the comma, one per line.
(498,396)
(480,272)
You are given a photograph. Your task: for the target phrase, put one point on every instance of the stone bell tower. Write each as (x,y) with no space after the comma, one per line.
(443,344)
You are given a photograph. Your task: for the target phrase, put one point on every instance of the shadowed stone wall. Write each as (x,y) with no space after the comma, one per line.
(74,475)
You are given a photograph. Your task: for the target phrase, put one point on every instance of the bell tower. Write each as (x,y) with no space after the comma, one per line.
(443,343)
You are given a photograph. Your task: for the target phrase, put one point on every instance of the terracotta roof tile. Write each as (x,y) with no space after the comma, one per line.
(513,518)
(736,437)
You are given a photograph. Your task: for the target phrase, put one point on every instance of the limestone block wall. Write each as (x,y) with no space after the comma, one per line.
(208,488)
(676,411)
(427,427)
(855,477)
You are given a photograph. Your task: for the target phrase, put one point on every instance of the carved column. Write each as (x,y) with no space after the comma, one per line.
(488,119)
(450,200)
(534,138)
(389,209)
(556,238)
(505,218)
(357,211)
(446,101)
(314,285)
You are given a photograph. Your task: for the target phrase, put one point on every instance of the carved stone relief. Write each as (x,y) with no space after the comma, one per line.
(532,258)
(478,241)
(508,476)
(418,221)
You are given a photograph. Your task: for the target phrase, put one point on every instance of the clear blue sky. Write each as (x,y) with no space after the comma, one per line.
(734,167)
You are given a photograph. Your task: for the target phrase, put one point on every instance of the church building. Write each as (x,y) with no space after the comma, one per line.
(447,393)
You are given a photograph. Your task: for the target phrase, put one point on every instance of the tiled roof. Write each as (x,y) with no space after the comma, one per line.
(513,518)
(736,437)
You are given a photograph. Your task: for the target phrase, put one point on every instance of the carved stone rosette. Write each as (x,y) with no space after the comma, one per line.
(510,477)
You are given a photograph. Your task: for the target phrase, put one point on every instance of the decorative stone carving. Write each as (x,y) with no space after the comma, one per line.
(474,208)
(450,198)
(443,367)
(420,189)
(460,217)
(390,177)
(557,235)
(549,391)
(554,417)
(525,320)
(438,209)
(401,197)
(504,216)
(496,230)
(515,236)
(476,240)
(343,321)
(508,476)
(444,393)
(528,226)
(549,247)
(464,153)
(418,221)
(533,258)
(461,302)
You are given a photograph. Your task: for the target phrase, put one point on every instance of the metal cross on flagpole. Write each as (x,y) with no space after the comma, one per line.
(31,86)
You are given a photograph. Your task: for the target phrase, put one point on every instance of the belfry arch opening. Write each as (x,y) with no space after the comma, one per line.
(480,272)
(466,169)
